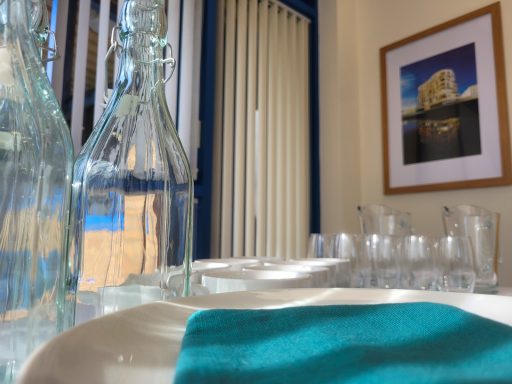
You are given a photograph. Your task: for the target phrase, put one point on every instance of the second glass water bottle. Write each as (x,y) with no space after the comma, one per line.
(132,188)
(36,159)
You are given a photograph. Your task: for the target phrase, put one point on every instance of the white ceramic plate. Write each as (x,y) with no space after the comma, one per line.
(141,344)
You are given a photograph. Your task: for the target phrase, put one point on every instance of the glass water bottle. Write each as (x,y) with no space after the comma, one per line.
(132,186)
(36,158)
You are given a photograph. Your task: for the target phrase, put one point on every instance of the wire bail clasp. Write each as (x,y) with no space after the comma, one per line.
(52,54)
(171,61)
(115,45)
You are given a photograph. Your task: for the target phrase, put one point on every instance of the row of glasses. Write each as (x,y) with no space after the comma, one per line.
(408,262)
(438,263)
(479,224)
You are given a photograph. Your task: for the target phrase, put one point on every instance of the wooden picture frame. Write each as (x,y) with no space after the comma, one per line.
(444,107)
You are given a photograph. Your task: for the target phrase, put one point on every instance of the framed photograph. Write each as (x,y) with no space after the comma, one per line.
(444,107)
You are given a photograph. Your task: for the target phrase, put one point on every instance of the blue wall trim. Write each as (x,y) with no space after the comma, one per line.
(315,226)
(203,185)
(307,8)
(178,70)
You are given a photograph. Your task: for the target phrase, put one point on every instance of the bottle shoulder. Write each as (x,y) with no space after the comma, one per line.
(127,119)
(24,85)
(124,148)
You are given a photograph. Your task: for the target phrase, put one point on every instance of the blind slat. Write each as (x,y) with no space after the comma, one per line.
(305,134)
(173,34)
(60,38)
(185,120)
(271,132)
(249,250)
(291,134)
(240,128)
(261,127)
(116,57)
(103,42)
(216,227)
(300,145)
(280,128)
(227,146)
(84,12)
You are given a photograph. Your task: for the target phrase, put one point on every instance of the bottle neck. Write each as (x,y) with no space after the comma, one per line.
(16,44)
(13,16)
(39,22)
(141,70)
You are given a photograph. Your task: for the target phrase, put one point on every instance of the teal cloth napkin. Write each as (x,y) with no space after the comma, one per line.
(384,343)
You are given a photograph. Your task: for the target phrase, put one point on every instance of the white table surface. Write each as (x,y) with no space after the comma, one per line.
(141,344)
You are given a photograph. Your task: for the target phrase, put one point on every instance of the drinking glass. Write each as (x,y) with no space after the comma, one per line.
(379,261)
(346,246)
(455,261)
(418,266)
(482,228)
(320,245)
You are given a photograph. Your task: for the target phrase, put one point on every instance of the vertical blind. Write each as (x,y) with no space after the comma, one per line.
(260,200)
(184,34)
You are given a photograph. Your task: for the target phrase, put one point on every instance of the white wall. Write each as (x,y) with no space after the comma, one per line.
(351,34)
(340,178)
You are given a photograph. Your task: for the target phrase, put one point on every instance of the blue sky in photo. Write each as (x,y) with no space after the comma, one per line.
(461,60)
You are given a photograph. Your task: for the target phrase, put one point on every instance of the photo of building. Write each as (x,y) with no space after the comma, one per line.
(439,96)
(440,88)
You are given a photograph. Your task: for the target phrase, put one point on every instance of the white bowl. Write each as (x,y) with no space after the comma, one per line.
(235,263)
(319,275)
(233,281)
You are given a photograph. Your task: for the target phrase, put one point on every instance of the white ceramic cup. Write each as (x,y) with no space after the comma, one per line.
(233,281)
(198,268)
